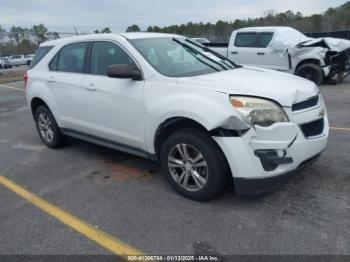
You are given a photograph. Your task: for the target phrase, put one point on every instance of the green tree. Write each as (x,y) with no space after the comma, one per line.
(3,34)
(39,32)
(106,30)
(133,28)
(103,31)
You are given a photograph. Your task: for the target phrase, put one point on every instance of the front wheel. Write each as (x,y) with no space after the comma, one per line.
(194,164)
(311,72)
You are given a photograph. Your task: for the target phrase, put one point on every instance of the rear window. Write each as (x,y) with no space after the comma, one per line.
(246,39)
(40,53)
(71,58)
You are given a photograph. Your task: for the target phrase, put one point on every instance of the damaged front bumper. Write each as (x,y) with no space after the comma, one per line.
(265,156)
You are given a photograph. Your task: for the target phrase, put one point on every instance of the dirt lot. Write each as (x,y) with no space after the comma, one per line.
(128,198)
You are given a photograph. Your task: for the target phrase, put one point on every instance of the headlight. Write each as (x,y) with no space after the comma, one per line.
(258,111)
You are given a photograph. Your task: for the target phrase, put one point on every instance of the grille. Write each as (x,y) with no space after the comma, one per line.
(313,128)
(311,102)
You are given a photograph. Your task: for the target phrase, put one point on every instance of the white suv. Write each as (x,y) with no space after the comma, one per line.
(169,99)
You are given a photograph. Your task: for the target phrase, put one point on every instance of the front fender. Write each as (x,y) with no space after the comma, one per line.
(307,53)
(210,109)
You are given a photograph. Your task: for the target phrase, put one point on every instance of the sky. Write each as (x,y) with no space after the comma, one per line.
(88,15)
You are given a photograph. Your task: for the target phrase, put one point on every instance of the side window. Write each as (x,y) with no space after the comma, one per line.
(265,39)
(40,53)
(71,58)
(105,54)
(246,39)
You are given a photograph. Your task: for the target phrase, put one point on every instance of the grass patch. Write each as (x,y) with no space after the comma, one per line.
(4,80)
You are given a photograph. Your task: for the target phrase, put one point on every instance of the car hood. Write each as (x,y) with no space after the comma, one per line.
(333,44)
(283,88)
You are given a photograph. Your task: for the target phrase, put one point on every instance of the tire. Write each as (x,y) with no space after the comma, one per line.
(48,129)
(206,174)
(311,72)
(28,63)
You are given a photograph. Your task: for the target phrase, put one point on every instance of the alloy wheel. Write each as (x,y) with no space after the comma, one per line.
(188,167)
(45,127)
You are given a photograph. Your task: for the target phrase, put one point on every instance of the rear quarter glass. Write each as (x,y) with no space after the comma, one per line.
(40,53)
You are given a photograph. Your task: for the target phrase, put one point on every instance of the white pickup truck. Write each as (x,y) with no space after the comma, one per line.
(286,49)
(17,60)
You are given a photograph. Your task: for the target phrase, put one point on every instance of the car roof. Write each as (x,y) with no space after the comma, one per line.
(264,28)
(89,37)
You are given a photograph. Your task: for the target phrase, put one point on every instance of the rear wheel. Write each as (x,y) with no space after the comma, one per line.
(311,72)
(194,164)
(48,129)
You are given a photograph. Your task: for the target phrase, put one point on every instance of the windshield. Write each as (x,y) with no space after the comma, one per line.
(180,57)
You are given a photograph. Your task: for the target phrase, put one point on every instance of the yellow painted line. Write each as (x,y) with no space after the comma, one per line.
(103,239)
(14,88)
(340,128)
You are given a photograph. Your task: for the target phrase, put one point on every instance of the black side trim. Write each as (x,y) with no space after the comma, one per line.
(106,143)
(223,132)
(88,59)
(290,61)
(216,44)
(256,186)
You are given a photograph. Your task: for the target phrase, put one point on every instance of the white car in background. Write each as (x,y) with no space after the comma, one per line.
(206,120)
(4,63)
(17,60)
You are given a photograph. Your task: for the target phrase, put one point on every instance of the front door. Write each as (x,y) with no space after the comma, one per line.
(114,107)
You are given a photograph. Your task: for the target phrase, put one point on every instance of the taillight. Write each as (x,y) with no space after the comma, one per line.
(25,78)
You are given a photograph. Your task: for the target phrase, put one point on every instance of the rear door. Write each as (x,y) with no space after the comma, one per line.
(67,70)
(242,49)
(267,57)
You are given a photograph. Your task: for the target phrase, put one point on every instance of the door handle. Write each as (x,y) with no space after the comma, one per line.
(234,52)
(260,53)
(51,79)
(91,87)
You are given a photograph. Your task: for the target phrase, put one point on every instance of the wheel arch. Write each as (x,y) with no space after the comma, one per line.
(35,103)
(172,124)
(308,61)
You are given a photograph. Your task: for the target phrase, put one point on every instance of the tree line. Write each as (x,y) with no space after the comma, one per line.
(333,19)
(18,40)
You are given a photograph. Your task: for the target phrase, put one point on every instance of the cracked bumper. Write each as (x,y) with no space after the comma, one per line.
(285,139)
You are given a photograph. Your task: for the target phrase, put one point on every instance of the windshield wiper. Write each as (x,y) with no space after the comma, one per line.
(196,51)
(207,49)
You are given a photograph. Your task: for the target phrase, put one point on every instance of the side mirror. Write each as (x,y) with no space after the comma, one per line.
(124,71)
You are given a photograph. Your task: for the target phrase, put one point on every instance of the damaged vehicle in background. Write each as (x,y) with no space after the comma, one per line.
(4,63)
(288,50)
